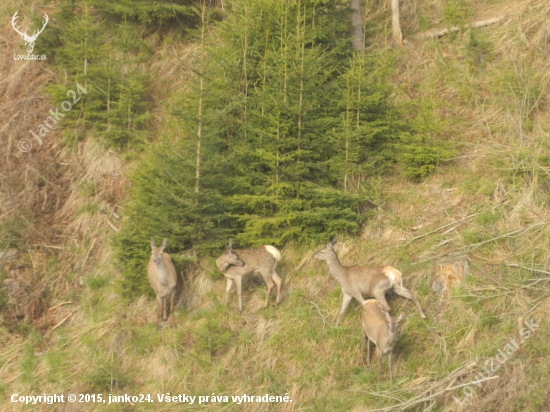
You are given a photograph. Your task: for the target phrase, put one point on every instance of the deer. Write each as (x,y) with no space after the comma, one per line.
(29,40)
(379,328)
(234,264)
(359,281)
(163,279)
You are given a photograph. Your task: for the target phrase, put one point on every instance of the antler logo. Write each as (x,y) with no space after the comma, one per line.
(29,40)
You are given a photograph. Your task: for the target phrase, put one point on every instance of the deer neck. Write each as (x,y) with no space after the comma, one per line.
(222,263)
(162,272)
(336,269)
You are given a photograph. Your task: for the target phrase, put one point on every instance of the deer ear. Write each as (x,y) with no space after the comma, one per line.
(333,240)
(153,242)
(163,244)
(230,246)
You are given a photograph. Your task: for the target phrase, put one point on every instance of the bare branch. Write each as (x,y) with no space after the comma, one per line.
(435,34)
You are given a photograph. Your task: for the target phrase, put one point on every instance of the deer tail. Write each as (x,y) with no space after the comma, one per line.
(394,276)
(274,252)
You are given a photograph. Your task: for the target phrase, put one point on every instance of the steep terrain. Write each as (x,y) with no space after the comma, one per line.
(66,329)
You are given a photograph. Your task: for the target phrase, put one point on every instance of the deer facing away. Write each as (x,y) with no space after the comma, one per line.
(359,281)
(381,329)
(234,264)
(163,278)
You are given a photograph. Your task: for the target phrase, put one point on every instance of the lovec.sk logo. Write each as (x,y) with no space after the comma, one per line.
(29,40)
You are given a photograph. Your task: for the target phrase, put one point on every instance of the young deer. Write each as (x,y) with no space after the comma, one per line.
(359,281)
(381,329)
(234,264)
(163,279)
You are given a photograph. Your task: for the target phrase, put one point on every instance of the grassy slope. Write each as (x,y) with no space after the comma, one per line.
(489,91)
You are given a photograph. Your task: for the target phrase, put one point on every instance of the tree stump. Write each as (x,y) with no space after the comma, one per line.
(447,274)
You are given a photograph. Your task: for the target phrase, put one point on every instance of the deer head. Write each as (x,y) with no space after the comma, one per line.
(157,251)
(29,40)
(328,252)
(232,258)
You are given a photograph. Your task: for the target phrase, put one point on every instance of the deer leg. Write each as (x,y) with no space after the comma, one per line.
(269,283)
(368,350)
(363,348)
(239,292)
(165,308)
(159,310)
(228,289)
(172,314)
(389,360)
(406,293)
(345,302)
(380,296)
(278,282)
(379,355)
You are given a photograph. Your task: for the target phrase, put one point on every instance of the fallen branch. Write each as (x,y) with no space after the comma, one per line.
(427,394)
(515,265)
(471,247)
(439,228)
(510,234)
(435,34)
(64,319)
(319,310)
(89,251)
(51,246)
(60,304)
(112,226)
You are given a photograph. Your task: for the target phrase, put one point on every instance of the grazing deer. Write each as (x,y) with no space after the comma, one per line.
(234,264)
(359,281)
(163,279)
(381,329)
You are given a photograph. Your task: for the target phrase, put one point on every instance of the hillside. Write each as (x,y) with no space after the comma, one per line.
(78,319)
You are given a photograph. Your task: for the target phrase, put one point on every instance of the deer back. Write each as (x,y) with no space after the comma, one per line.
(378,325)
(369,278)
(255,260)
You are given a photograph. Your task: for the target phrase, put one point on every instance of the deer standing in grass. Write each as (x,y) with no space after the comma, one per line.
(359,281)
(162,277)
(234,264)
(381,329)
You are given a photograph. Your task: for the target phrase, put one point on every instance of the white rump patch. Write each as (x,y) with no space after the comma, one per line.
(393,275)
(274,252)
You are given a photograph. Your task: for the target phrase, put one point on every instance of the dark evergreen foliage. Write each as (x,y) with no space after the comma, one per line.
(291,124)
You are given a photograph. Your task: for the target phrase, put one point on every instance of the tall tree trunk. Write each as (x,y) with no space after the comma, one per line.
(395,26)
(301,33)
(245,51)
(355,24)
(201,90)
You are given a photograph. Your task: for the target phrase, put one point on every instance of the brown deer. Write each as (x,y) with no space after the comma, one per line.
(359,281)
(234,264)
(163,278)
(381,329)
